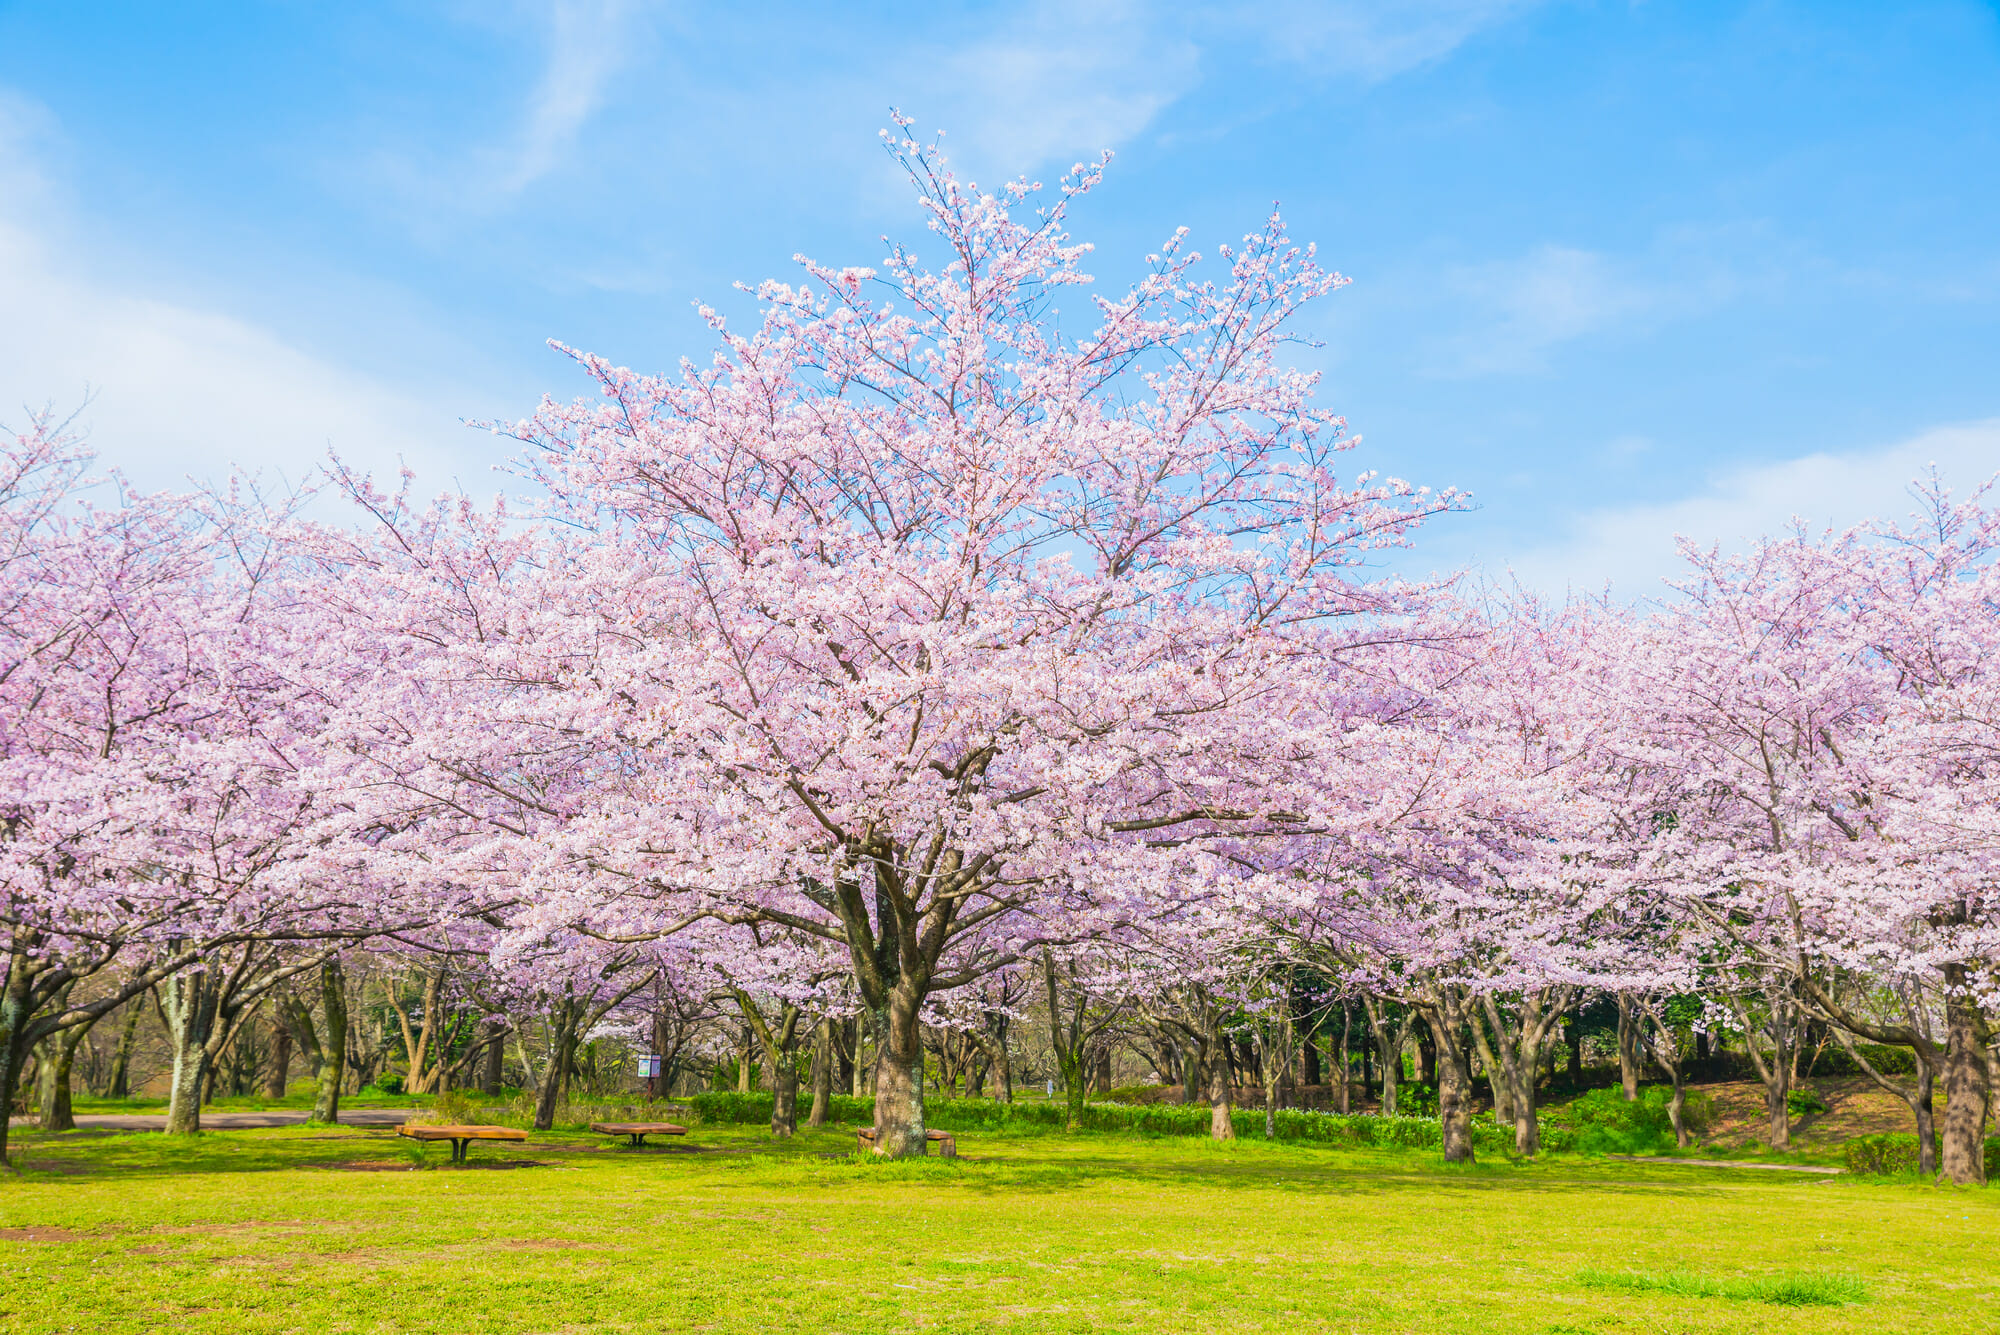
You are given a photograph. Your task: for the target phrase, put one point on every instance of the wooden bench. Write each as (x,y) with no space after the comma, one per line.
(947,1143)
(638,1130)
(460,1136)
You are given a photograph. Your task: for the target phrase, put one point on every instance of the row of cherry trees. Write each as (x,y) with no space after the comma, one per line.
(960,634)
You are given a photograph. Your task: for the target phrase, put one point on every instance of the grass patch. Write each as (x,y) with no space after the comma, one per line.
(1796,1289)
(339,1229)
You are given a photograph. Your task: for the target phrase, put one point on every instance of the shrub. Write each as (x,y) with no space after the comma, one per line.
(451,1108)
(1604,1122)
(389,1083)
(1895,1153)
(1803,1102)
(1887,1060)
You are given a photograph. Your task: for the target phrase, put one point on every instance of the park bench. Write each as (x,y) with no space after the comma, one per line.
(947,1143)
(638,1131)
(460,1136)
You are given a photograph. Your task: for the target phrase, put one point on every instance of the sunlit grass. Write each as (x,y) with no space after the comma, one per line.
(349,1229)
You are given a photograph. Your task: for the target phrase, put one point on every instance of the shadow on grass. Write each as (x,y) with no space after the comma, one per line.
(989,1163)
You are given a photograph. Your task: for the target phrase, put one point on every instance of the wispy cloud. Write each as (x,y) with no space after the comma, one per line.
(176,391)
(1057,82)
(587,42)
(1632,546)
(1376,40)
(1510,315)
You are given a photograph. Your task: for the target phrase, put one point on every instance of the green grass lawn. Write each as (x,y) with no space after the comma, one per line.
(317,1229)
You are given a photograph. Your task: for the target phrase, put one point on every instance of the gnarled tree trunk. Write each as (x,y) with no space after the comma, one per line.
(1963,1139)
(899,1075)
(1445,1016)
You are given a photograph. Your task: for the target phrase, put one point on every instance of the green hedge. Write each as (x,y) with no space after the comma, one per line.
(1155,1119)
(1896,1153)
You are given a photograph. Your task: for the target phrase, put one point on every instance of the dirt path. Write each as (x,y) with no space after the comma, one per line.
(1724,1163)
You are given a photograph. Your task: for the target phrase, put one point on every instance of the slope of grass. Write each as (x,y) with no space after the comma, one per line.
(325,1230)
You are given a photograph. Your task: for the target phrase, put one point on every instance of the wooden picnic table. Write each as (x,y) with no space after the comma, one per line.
(638,1131)
(947,1144)
(461,1137)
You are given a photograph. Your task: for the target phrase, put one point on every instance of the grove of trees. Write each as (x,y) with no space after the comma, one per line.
(959,641)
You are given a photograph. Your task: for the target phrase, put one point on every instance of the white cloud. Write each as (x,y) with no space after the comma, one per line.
(1057,83)
(177,391)
(1633,546)
(587,43)
(1061,81)
(1511,314)
(1516,311)
(1376,40)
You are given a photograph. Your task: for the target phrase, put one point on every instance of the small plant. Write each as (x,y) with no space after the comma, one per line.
(1805,1102)
(389,1083)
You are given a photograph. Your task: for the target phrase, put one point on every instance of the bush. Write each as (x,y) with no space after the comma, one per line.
(389,1083)
(1895,1153)
(451,1108)
(1887,1060)
(1804,1102)
(1603,1122)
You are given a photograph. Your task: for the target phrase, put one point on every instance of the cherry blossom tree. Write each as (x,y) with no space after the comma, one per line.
(913,623)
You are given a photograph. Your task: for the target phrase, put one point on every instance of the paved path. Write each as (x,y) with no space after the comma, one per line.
(1716,1163)
(223,1120)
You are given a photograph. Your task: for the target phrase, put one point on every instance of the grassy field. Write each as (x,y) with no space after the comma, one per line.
(317,1229)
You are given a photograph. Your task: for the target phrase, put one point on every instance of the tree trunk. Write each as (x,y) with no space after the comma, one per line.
(822,1076)
(1920,1107)
(281,1059)
(899,1076)
(1454,1079)
(1521,1059)
(1963,1141)
(14,1045)
(1220,1127)
(1346,1059)
(784,1097)
(1777,1073)
(120,1085)
(1311,1054)
(330,1071)
(1066,1043)
(1573,1037)
(563,1022)
(496,1051)
(1677,1106)
(61,1060)
(1628,1048)
(1388,1036)
(1003,1063)
(1496,1067)
(189,1000)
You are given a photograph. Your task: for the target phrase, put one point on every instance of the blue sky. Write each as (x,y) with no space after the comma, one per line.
(1621,269)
